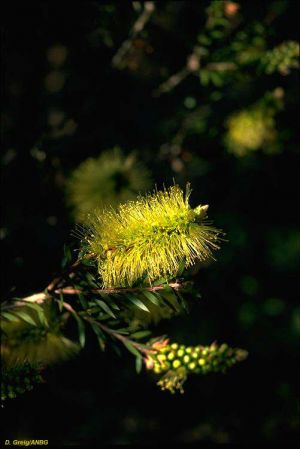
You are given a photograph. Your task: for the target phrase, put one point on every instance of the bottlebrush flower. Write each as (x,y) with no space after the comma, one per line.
(150,238)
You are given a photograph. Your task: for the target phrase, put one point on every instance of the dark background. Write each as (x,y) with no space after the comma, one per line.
(250,296)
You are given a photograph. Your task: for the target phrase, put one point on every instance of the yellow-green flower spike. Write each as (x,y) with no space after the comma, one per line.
(149,238)
(198,359)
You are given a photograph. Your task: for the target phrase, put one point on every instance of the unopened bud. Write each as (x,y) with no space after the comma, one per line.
(176,363)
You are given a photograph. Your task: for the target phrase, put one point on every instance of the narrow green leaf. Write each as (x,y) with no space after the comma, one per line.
(115,306)
(81,332)
(138,364)
(101,343)
(217,34)
(160,281)
(109,299)
(97,329)
(113,322)
(39,310)
(100,335)
(181,300)
(116,348)
(216,78)
(91,280)
(169,301)
(140,334)
(67,256)
(131,349)
(204,77)
(137,302)
(61,302)
(152,298)
(9,316)
(83,300)
(80,326)
(105,307)
(123,331)
(24,316)
(103,316)
(92,308)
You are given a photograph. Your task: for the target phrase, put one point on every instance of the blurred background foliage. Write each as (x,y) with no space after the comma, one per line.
(205,92)
(104,182)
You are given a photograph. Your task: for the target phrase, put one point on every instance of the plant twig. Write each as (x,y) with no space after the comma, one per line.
(138,26)
(74,291)
(221,66)
(120,337)
(39,298)
(192,66)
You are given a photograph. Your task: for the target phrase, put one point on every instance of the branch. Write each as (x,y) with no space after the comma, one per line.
(138,26)
(221,66)
(74,291)
(39,298)
(192,66)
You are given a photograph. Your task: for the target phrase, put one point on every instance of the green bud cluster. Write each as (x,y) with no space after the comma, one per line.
(281,58)
(18,380)
(177,361)
(196,359)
